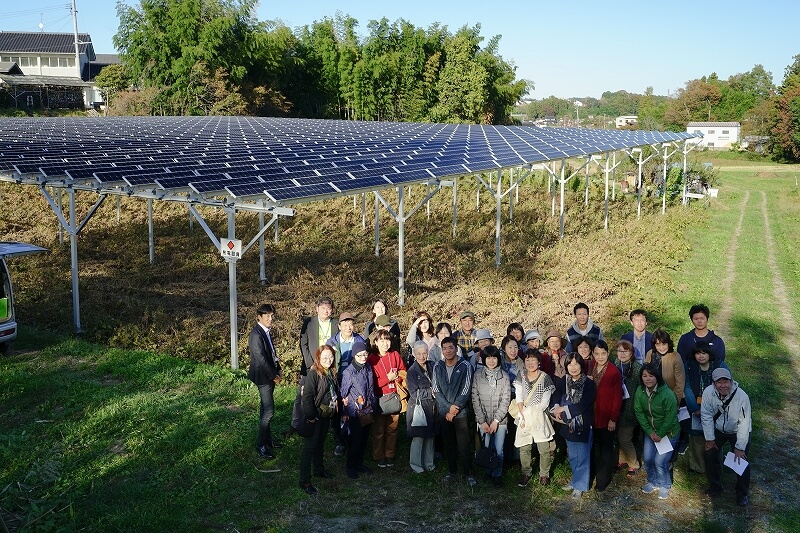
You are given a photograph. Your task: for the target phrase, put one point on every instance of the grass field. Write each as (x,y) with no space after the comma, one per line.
(101,437)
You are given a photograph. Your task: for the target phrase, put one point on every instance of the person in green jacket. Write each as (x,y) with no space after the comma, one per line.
(656,409)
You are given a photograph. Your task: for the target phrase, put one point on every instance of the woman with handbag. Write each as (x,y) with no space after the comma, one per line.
(532,390)
(574,409)
(491,394)
(319,401)
(421,415)
(390,373)
(358,399)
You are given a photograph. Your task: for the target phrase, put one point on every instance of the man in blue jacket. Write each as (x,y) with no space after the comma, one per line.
(699,314)
(452,385)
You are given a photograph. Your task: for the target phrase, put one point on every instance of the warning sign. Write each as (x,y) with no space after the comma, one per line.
(231,248)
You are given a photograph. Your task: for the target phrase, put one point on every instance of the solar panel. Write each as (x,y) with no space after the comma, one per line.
(284,160)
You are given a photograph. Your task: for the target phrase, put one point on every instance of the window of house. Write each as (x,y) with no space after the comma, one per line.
(710,145)
(27,61)
(29,101)
(698,131)
(726,132)
(711,132)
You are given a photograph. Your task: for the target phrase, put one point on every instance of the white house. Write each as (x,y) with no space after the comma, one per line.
(716,135)
(48,73)
(626,121)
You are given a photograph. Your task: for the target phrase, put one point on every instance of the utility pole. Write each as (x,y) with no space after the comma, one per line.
(77,42)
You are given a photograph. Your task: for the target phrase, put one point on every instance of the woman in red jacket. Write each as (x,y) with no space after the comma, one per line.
(390,371)
(607,408)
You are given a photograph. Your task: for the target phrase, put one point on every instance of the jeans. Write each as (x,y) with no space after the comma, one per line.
(657,465)
(420,458)
(714,468)
(266,392)
(579,461)
(498,438)
(455,444)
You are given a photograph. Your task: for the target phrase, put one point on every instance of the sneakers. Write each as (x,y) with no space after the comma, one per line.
(339,450)
(576,494)
(382,463)
(544,481)
(308,488)
(631,472)
(649,488)
(352,473)
(743,501)
(448,477)
(390,462)
(497,481)
(663,494)
(471,481)
(568,487)
(523,480)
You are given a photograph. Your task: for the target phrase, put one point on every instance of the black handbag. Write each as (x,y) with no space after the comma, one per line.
(487,458)
(305,428)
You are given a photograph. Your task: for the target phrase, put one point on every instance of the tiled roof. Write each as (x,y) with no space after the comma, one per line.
(42,81)
(43,42)
(713,125)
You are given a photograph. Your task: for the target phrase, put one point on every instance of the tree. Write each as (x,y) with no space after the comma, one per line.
(111,80)
(694,102)
(462,80)
(786,130)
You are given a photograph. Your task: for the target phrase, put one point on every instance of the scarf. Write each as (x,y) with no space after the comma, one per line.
(492,375)
(540,386)
(625,368)
(597,375)
(655,358)
(358,366)
(572,396)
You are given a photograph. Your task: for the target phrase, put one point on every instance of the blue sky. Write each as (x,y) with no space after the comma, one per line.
(568,49)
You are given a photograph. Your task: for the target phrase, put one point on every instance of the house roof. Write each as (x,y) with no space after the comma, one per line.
(49,81)
(44,42)
(10,68)
(713,125)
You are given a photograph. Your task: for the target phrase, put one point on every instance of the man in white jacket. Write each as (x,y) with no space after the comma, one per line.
(726,418)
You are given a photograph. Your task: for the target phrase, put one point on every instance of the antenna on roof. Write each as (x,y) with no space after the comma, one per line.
(41,24)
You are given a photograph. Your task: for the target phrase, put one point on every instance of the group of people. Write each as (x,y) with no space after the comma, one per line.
(481,405)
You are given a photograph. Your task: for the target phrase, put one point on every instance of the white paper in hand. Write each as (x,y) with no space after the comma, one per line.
(733,464)
(664,446)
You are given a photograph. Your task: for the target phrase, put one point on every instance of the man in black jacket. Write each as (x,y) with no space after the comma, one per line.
(265,372)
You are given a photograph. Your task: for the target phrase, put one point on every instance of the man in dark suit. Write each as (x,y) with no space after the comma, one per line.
(265,372)
(641,339)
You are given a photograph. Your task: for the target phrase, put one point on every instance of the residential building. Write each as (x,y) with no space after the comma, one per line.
(49,73)
(716,135)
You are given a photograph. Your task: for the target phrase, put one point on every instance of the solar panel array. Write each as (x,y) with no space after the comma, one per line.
(281,160)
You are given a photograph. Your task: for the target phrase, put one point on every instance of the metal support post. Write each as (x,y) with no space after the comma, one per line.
(232,299)
(563,182)
(401,247)
(498,197)
(262,259)
(377,227)
(73,253)
(150,232)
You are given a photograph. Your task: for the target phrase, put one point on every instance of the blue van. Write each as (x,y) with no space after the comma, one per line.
(8,319)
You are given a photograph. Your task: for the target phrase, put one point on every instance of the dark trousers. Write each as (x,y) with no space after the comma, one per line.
(265,417)
(605,463)
(313,448)
(455,444)
(714,465)
(356,442)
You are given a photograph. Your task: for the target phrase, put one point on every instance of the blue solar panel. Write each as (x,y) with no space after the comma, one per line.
(296,159)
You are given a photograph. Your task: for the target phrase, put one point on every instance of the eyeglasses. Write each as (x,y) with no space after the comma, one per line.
(623,351)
